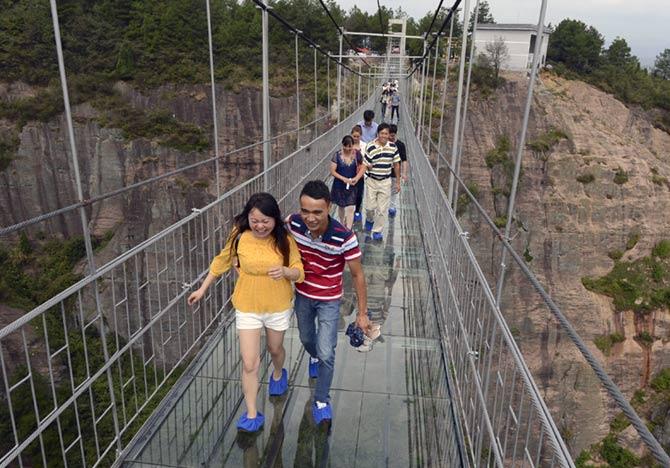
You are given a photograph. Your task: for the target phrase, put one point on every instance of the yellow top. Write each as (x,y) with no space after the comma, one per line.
(255,291)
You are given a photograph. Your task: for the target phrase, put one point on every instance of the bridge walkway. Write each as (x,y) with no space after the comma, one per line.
(391,405)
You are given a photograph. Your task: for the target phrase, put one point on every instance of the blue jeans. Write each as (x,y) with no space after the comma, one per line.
(319,343)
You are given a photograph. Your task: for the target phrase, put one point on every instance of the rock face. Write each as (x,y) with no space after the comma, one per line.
(41,177)
(567,228)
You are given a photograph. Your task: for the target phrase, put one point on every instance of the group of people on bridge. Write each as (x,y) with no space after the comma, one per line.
(295,264)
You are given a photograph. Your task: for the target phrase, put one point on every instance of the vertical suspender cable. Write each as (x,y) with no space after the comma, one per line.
(425,111)
(461,137)
(444,95)
(358,101)
(214,114)
(339,81)
(520,145)
(459,98)
(266,98)
(328,83)
(73,147)
(432,93)
(297,94)
(84,220)
(316,123)
(423,76)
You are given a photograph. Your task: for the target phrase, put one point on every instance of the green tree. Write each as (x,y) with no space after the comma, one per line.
(484,15)
(619,54)
(576,45)
(662,65)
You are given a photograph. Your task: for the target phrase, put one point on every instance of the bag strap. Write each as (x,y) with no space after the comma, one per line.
(236,242)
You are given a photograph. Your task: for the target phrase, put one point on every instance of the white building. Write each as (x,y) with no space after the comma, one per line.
(519,39)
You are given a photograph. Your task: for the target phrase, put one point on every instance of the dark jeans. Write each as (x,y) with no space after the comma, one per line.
(319,343)
(360,187)
(394,110)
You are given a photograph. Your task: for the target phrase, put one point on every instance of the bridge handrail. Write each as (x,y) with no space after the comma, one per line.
(429,182)
(615,393)
(209,222)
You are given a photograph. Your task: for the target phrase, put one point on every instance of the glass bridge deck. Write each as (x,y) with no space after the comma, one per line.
(391,405)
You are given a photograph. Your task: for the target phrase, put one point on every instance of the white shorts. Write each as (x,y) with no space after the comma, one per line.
(278,321)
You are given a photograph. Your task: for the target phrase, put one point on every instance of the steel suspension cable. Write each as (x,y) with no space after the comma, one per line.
(302,35)
(341,31)
(442,28)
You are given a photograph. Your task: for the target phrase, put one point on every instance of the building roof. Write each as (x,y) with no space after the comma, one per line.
(511,27)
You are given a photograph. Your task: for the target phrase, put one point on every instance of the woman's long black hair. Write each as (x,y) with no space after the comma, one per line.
(266,204)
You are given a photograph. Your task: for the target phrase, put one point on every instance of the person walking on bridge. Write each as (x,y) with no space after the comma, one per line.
(268,261)
(395,106)
(325,247)
(347,169)
(359,146)
(382,158)
(402,152)
(368,126)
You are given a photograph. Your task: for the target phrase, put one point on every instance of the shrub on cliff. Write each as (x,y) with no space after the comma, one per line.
(641,286)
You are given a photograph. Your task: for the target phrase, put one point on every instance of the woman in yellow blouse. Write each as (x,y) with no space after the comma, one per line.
(268,261)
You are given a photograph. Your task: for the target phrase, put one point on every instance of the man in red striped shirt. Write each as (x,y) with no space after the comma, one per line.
(325,246)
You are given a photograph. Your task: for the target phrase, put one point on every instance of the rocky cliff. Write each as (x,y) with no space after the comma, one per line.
(40,177)
(594,189)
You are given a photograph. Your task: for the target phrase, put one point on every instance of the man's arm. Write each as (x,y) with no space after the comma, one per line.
(361,288)
(396,171)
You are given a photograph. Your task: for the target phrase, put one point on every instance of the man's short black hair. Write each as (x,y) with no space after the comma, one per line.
(383,126)
(316,189)
(368,115)
(393,128)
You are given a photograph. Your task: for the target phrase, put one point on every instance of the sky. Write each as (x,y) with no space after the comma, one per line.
(640,22)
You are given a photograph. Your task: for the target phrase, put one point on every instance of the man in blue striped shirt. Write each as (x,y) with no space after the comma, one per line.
(381,158)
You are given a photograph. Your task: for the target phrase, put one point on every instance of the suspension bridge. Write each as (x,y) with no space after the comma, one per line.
(154,382)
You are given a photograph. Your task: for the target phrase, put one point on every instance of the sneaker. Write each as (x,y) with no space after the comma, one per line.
(246,424)
(368,225)
(278,387)
(321,412)
(358,217)
(313,367)
(392,212)
(377,236)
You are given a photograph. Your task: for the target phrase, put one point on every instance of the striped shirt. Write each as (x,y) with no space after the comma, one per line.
(380,159)
(323,258)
